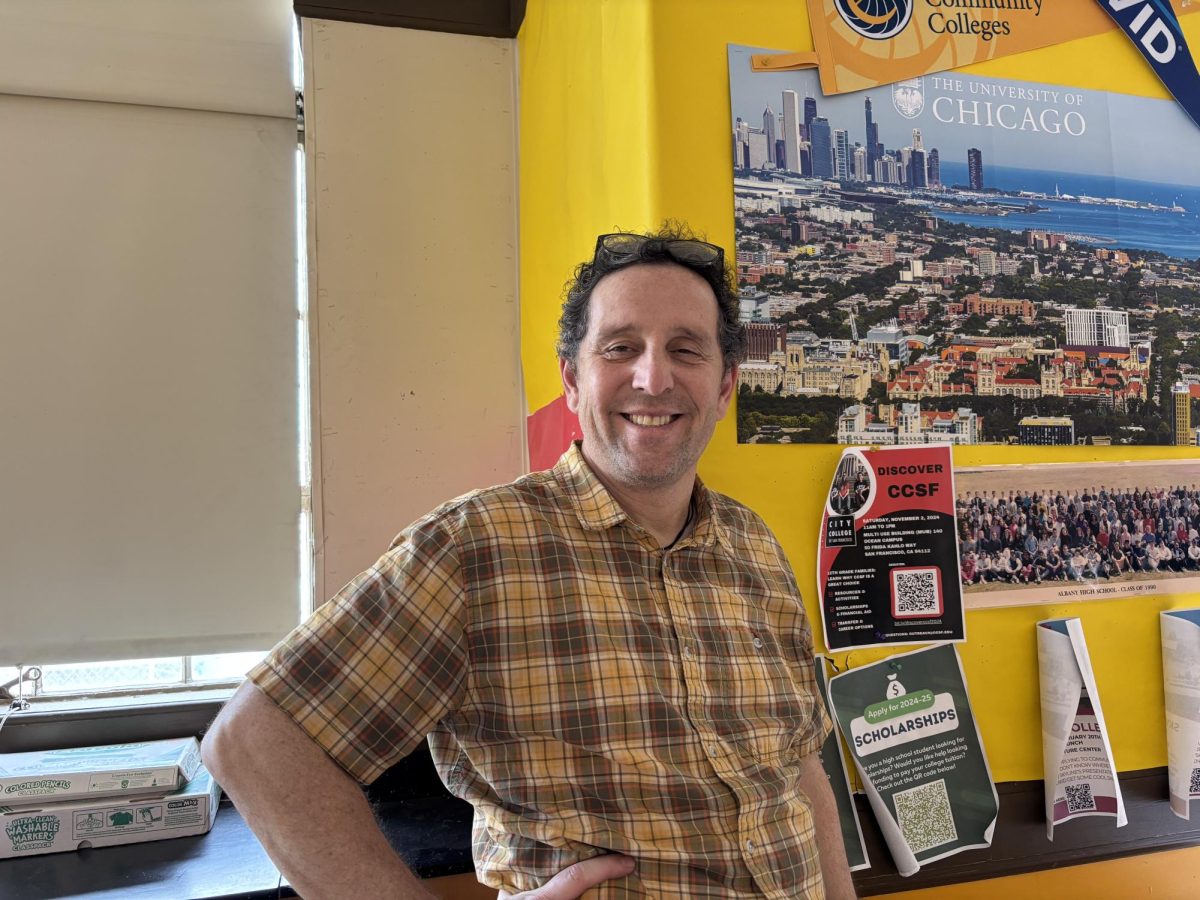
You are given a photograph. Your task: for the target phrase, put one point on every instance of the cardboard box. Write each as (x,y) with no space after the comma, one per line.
(55,776)
(55,827)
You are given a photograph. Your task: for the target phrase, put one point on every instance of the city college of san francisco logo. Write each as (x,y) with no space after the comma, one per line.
(875,19)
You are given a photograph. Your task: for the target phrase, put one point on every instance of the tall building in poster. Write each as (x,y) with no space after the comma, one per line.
(986,262)
(872,136)
(810,110)
(917,144)
(885,170)
(917,176)
(769,131)
(822,148)
(933,166)
(1097,328)
(975,169)
(756,149)
(763,339)
(860,171)
(791,131)
(841,150)
(1181,400)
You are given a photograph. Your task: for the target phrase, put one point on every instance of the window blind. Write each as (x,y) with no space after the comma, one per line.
(149,486)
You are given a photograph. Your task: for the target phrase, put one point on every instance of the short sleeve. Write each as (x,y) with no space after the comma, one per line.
(810,739)
(374,670)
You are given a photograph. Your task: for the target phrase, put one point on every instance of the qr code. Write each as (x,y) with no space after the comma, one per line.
(924,816)
(1079,798)
(1195,788)
(916,593)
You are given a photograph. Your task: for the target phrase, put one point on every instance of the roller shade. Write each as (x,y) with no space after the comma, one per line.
(148,330)
(218,55)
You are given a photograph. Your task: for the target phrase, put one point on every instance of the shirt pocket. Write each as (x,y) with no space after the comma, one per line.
(763,702)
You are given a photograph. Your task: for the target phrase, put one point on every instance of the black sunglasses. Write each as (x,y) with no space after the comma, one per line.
(621,247)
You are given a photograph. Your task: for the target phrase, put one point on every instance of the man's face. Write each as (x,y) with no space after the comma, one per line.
(649,384)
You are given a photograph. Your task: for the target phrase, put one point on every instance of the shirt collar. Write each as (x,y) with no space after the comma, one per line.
(598,509)
(595,506)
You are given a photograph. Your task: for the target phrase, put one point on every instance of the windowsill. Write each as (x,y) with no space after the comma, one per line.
(93,721)
(59,706)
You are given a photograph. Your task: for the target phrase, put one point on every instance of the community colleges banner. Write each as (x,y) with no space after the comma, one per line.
(887,564)
(919,755)
(1181,683)
(1080,775)
(964,260)
(863,43)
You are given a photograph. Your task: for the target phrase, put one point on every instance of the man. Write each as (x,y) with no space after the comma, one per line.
(612,662)
(969,571)
(1137,557)
(1006,567)
(1054,567)
(1153,557)
(1118,561)
(985,565)
(1193,555)
(1076,564)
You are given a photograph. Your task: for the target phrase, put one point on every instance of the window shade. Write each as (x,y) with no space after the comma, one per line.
(148,333)
(221,55)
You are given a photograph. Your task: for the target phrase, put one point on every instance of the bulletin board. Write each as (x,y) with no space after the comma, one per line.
(624,123)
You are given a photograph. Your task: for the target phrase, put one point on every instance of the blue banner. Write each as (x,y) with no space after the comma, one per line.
(1154,29)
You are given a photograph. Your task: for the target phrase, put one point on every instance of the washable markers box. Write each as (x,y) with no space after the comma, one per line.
(55,776)
(106,822)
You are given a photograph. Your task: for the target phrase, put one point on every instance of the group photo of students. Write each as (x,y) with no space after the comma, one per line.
(1031,537)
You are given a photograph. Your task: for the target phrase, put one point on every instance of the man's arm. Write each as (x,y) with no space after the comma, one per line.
(309,814)
(835,870)
(312,817)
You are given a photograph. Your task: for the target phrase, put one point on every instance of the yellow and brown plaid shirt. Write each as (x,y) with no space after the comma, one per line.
(585,689)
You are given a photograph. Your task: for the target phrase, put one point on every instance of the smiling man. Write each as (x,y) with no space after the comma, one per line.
(612,662)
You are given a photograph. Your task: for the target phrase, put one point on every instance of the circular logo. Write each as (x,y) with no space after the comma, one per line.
(875,19)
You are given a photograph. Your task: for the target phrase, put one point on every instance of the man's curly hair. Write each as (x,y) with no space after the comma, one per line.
(573,323)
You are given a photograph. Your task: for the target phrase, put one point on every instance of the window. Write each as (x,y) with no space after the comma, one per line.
(121,677)
(206,314)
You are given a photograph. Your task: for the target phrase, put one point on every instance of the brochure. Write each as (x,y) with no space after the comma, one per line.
(1181,684)
(1080,776)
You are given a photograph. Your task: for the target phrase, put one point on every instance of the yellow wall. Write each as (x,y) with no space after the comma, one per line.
(625,121)
(1170,875)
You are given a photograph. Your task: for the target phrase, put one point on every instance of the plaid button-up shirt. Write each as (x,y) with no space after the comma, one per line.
(585,689)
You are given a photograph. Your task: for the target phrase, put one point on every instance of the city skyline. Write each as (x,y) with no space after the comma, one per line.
(884,307)
(815,149)
(1132,158)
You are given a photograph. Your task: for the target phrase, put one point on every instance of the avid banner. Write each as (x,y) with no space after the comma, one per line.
(1154,29)
(864,43)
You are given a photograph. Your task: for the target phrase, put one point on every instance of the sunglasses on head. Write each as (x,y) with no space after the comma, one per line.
(620,247)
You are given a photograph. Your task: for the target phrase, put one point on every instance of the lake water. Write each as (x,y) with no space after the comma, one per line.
(1172,233)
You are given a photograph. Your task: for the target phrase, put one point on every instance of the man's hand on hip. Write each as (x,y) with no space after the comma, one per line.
(572,881)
